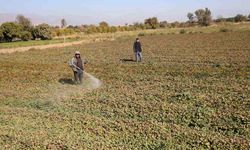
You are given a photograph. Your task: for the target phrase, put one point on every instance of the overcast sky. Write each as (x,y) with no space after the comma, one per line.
(116,11)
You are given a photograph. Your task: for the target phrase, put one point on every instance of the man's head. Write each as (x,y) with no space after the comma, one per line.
(77,54)
(137,40)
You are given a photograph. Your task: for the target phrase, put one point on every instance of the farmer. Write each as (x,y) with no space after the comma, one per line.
(138,50)
(77,65)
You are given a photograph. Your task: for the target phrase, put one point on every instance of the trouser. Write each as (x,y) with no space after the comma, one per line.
(138,56)
(78,75)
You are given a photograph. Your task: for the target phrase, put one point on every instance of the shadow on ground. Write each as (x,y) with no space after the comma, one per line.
(127,60)
(66,81)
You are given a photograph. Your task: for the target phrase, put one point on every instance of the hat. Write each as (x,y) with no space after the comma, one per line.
(77,53)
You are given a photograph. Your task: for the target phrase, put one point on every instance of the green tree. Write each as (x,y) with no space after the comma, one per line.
(204,16)
(25,22)
(26,35)
(1,36)
(42,31)
(63,23)
(240,18)
(151,22)
(11,30)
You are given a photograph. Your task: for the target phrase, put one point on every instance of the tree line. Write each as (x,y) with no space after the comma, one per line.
(23,29)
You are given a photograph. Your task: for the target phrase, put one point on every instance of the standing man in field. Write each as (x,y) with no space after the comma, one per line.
(77,65)
(138,50)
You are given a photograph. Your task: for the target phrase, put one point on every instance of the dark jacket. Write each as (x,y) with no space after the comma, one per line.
(79,63)
(137,47)
(75,64)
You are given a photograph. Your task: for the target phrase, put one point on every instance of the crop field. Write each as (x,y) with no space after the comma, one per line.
(243,27)
(190,92)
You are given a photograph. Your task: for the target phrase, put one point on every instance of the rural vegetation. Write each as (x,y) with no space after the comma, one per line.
(190,92)
(23,29)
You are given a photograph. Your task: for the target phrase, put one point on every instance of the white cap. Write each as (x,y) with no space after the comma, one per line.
(77,53)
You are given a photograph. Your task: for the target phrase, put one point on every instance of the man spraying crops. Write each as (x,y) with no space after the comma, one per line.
(77,65)
(138,50)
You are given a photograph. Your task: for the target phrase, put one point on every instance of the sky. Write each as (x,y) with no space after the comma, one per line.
(115,12)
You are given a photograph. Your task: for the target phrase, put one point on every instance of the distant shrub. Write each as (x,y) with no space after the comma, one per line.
(197,32)
(113,29)
(183,31)
(141,34)
(163,24)
(225,30)
(63,31)
(154,33)
(240,18)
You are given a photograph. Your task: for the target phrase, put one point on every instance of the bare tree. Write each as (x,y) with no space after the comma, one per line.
(204,16)
(25,22)
(190,17)
(63,23)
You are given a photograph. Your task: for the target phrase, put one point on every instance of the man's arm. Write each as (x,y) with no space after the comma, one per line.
(134,47)
(140,46)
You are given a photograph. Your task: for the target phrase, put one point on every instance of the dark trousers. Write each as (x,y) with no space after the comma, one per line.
(78,75)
